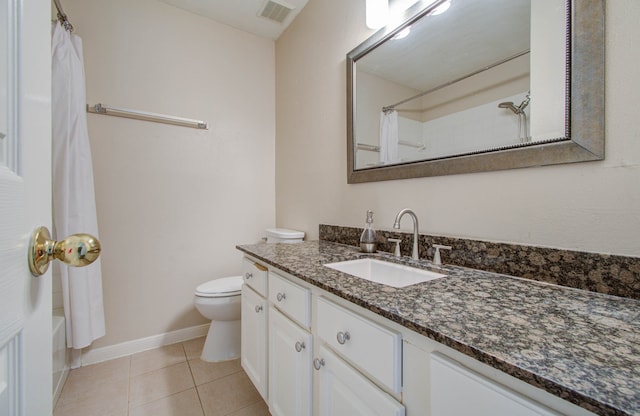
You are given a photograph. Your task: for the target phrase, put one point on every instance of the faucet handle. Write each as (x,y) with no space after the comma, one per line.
(397,249)
(436,255)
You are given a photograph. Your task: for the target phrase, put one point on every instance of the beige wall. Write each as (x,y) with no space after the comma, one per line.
(172,201)
(588,206)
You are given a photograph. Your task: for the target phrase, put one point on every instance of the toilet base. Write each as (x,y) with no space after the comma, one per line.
(223,341)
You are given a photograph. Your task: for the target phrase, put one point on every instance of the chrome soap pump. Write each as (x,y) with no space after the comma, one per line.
(368,238)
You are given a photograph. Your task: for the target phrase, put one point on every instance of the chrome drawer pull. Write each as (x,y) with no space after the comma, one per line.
(248,275)
(318,363)
(258,308)
(343,337)
(300,346)
(281,297)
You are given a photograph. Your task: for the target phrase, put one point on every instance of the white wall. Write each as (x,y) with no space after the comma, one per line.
(546,81)
(483,127)
(172,201)
(591,206)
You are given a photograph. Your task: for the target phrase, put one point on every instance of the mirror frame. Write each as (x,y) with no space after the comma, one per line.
(585,113)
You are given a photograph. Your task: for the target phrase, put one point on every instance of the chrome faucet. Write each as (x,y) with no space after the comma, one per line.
(413,216)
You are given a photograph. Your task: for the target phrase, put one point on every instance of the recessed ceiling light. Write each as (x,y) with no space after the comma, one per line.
(441,9)
(377,13)
(403,33)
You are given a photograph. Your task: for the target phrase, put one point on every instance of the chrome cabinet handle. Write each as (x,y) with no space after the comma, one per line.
(281,296)
(343,337)
(300,346)
(77,250)
(258,308)
(248,275)
(318,363)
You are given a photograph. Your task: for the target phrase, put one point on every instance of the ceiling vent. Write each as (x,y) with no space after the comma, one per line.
(275,10)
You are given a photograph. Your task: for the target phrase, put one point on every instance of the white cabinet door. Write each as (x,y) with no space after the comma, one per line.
(290,353)
(254,338)
(456,391)
(344,391)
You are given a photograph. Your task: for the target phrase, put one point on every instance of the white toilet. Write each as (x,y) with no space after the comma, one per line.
(284,235)
(219,300)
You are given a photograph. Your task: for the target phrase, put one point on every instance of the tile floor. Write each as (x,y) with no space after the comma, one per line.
(167,381)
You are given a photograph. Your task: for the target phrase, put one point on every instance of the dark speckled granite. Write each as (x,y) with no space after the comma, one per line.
(603,273)
(581,346)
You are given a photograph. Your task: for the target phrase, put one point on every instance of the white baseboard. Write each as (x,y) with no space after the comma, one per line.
(98,355)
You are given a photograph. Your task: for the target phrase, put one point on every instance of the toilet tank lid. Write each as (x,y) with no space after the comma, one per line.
(222,285)
(284,233)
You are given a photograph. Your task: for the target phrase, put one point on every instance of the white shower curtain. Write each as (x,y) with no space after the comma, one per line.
(388,137)
(74,206)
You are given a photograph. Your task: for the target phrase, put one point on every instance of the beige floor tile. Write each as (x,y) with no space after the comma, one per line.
(160,383)
(185,403)
(108,381)
(156,359)
(193,347)
(204,372)
(102,399)
(257,409)
(109,371)
(228,394)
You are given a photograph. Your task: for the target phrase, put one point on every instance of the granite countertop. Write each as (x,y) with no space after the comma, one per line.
(581,346)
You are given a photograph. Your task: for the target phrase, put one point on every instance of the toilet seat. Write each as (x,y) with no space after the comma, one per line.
(224,287)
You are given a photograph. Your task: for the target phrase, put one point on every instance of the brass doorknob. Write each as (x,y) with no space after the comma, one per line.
(77,250)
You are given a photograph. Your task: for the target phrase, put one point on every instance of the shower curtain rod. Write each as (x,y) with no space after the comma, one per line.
(142,115)
(439,87)
(62,16)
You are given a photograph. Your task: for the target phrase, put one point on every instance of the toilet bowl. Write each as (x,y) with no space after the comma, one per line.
(219,300)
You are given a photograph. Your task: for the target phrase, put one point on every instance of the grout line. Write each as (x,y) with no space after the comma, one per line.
(195,386)
(129,390)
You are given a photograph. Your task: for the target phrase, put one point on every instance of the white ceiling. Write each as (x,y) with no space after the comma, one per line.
(241,14)
(470,35)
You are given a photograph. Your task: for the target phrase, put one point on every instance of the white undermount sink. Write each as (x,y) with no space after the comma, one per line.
(384,272)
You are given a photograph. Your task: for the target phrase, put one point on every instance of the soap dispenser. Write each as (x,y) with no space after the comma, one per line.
(368,238)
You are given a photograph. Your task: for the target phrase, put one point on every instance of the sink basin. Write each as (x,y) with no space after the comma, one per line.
(384,272)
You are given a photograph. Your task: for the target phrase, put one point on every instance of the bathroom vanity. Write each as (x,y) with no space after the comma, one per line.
(317,341)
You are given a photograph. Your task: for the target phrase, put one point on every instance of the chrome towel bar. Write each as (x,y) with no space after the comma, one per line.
(146,116)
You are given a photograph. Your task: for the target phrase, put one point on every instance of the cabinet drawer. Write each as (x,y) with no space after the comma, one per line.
(291,299)
(376,350)
(255,276)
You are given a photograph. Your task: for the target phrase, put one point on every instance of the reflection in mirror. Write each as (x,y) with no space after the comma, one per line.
(4,83)
(487,85)
(479,76)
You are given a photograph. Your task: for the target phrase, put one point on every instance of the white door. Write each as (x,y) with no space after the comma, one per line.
(290,354)
(25,204)
(344,391)
(253,338)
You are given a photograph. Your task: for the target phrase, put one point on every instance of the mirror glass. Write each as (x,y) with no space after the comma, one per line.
(461,77)
(4,83)
(485,85)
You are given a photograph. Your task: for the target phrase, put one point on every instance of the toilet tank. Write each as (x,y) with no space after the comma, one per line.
(283,235)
